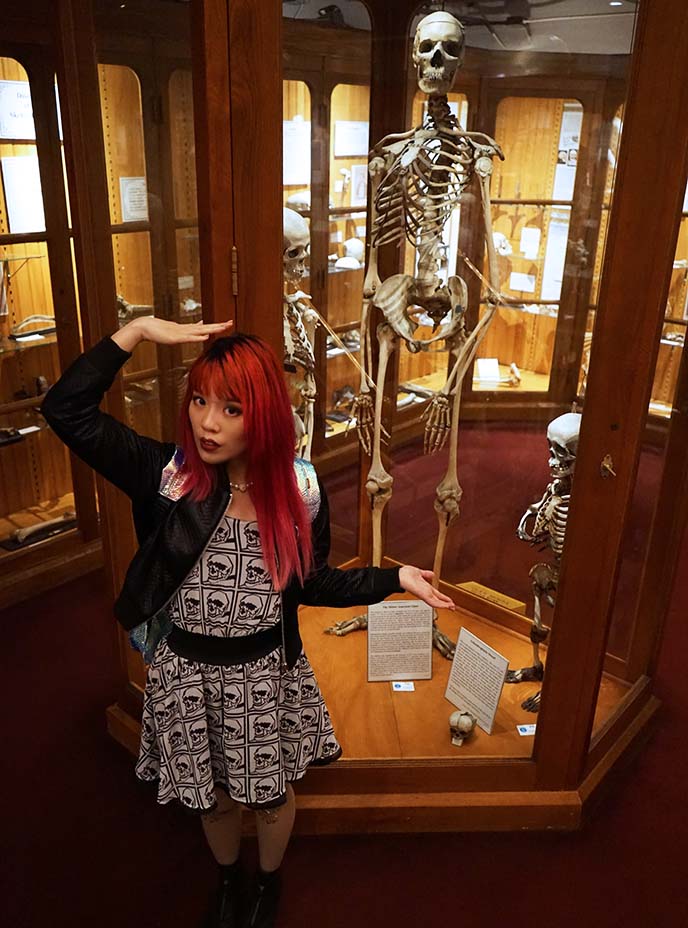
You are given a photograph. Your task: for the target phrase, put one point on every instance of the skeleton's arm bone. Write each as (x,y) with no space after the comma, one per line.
(484,180)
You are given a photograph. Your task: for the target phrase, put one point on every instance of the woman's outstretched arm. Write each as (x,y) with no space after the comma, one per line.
(71,407)
(360,586)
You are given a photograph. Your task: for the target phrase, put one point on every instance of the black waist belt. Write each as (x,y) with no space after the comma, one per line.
(211,649)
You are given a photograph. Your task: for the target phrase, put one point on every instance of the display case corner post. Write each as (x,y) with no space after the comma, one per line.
(212,130)
(638,259)
(255,33)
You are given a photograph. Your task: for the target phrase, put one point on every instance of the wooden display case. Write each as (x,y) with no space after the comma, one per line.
(400,771)
(48,515)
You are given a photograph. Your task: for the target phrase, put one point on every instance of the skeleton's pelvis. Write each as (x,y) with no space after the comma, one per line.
(401,296)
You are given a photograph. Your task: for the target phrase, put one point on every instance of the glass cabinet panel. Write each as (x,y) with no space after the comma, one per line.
(37,492)
(148,127)
(531,192)
(349,144)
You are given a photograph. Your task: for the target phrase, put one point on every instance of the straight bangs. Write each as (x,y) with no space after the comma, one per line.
(245,369)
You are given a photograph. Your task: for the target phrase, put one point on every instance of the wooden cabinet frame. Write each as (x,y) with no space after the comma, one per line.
(238,138)
(55,560)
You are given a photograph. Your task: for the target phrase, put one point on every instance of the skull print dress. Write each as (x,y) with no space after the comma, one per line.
(248,728)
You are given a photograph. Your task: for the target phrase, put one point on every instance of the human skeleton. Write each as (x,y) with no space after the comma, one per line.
(417,179)
(300,320)
(550,516)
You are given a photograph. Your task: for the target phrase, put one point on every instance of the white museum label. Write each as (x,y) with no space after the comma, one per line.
(350,138)
(403,686)
(525,730)
(359,186)
(524,283)
(476,678)
(134,199)
(487,370)
(296,152)
(16,112)
(23,195)
(400,641)
(530,242)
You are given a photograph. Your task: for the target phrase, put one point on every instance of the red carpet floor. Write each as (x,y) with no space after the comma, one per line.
(83,843)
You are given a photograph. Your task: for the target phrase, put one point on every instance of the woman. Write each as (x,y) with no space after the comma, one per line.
(233,535)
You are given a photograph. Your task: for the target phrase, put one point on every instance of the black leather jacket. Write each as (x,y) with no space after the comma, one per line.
(172,534)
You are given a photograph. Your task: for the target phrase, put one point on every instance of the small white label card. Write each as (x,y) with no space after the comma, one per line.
(487,370)
(400,641)
(524,283)
(403,686)
(476,678)
(530,242)
(351,138)
(525,730)
(134,199)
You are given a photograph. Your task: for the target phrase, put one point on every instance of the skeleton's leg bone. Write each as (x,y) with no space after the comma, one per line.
(448,493)
(542,575)
(379,482)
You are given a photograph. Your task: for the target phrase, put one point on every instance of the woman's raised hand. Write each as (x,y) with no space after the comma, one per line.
(165,332)
(419,582)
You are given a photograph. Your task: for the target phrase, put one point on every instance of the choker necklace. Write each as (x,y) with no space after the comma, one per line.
(241,487)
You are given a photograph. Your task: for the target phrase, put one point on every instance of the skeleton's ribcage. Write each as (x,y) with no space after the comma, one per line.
(421,189)
(297,347)
(557,526)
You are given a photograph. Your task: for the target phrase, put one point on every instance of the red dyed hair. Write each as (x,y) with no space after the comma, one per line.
(244,368)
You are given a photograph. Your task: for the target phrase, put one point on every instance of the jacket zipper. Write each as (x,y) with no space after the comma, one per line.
(205,548)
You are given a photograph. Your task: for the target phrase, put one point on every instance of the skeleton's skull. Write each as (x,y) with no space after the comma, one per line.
(562,437)
(461,724)
(296,239)
(438,50)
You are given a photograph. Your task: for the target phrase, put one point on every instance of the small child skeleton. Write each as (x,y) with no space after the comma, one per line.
(550,515)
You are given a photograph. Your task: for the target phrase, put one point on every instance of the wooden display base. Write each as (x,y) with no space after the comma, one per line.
(400,772)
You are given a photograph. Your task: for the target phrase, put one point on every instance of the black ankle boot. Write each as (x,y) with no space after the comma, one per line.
(264,900)
(226,907)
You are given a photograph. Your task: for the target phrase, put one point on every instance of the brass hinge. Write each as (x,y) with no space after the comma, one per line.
(235,271)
